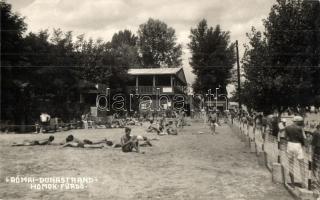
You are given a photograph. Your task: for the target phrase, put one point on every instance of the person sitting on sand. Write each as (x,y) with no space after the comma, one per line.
(162,123)
(153,127)
(171,130)
(71,141)
(143,141)
(128,142)
(130,122)
(35,142)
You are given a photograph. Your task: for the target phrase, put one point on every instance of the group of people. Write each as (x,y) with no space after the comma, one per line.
(292,137)
(296,139)
(128,142)
(163,128)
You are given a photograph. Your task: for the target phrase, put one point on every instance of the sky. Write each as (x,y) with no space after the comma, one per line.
(103,18)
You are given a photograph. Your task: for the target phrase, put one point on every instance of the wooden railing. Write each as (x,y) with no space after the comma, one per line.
(153,90)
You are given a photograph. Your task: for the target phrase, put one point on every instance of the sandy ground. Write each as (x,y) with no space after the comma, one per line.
(187,166)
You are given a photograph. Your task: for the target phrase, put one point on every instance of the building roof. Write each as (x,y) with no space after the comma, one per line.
(154,71)
(177,71)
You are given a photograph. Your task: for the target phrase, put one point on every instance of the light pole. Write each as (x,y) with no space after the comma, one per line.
(238,73)
(227,101)
(217,98)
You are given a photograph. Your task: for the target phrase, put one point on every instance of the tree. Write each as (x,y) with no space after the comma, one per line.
(12,85)
(103,64)
(282,64)
(213,57)
(257,88)
(124,43)
(42,72)
(12,30)
(124,38)
(157,45)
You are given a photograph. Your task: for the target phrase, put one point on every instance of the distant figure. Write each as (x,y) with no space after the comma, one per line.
(316,147)
(153,127)
(37,127)
(35,142)
(44,121)
(213,122)
(128,142)
(232,115)
(275,125)
(171,129)
(181,119)
(282,134)
(295,136)
(264,124)
(258,121)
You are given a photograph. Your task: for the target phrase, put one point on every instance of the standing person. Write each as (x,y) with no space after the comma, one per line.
(274,125)
(213,122)
(232,115)
(295,136)
(282,134)
(128,142)
(316,148)
(264,124)
(181,119)
(45,121)
(258,121)
(37,127)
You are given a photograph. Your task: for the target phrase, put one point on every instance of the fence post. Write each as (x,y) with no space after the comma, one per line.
(279,151)
(309,167)
(252,141)
(263,139)
(277,168)
(254,138)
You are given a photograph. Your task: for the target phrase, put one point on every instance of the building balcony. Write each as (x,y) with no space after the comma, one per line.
(152,90)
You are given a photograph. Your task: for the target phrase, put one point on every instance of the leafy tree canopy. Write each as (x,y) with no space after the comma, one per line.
(281,64)
(213,57)
(157,45)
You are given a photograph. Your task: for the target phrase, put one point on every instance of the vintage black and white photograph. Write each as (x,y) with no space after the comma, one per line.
(164,99)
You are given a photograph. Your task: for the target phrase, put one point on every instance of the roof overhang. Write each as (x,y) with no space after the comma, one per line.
(177,71)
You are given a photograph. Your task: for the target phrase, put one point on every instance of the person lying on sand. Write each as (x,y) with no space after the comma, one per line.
(71,141)
(144,141)
(35,142)
(103,141)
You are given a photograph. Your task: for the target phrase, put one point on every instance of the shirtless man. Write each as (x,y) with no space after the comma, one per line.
(213,122)
(128,142)
(35,142)
(153,127)
(71,141)
(171,130)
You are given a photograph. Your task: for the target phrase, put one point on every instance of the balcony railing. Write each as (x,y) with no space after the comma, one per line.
(153,90)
